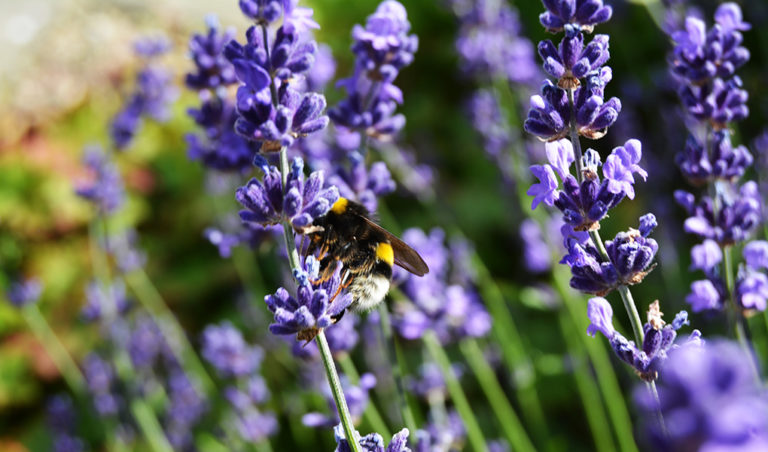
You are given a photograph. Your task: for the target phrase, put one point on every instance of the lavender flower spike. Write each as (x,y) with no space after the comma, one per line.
(659,338)
(225,348)
(581,13)
(25,292)
(314,306)
(373,442)
(267,202)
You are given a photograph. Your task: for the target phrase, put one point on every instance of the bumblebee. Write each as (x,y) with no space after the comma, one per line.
(368,251)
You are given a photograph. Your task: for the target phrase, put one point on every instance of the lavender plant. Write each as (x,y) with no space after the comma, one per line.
(705,63)
(572,107)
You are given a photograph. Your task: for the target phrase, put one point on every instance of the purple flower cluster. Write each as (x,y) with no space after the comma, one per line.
(373,442)
(316,302)
(104,302)
(709,399)
(227,351)
(152,95)
(186,407)
(361,184)
(751,288)
(706,62)
(489,41)
(299,202)
(253,424)
(441,300)
(62,420)
(218,147)
(271,112)
(659,337)
(447,434)
(22,293)
(101,379)
(581,77)
(357,401)
(106,189)
(585,204)
(382,48)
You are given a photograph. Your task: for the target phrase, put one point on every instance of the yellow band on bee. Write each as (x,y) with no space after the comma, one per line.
(340,206)
(385,253)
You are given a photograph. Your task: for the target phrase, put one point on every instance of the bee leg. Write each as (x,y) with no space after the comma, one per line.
(338,316)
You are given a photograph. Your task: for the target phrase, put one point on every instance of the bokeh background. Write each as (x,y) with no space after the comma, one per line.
(67,66)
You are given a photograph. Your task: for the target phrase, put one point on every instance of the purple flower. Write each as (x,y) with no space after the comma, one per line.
(709,399)
(538,256)
(719,102)
(105,190)
(659,338)
(724,161)
(105,303)
(584,14)
(489,41)
(700,55)
(737,217)
(705,295)
(631,253)
(254,426)
(271,111)
(440,301)
(314,306)
(212,69)
(299,202)
(572,59)
(549,116)
(488,121)
(373,442)
(756,254)
(546,189)
(225,348)
(620,166)
(100,377)
(362,184)
(706,256)
(381,48)
(25,292)
(152,95)
(186,407)
(752,291)
(448,434)
(357,401)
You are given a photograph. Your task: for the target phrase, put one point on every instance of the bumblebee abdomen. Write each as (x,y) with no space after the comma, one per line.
(368,291)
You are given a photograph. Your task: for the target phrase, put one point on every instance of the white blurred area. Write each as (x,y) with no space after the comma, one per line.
(57,54)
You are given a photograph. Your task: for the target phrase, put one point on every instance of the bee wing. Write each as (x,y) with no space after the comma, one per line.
(405,256)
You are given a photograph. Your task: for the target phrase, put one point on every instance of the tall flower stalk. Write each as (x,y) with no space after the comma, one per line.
(705,61)
(273,113)
(571,107)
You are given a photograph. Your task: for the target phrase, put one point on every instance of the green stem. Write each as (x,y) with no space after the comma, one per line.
(398,367)
(149,425)
(371,413)
(590,395)
(505,414)
(474,434)
(338,393)
(575,136)
(177,340)
(55,349)
(290,241)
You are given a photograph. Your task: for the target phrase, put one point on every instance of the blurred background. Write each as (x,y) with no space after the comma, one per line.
(68,65)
